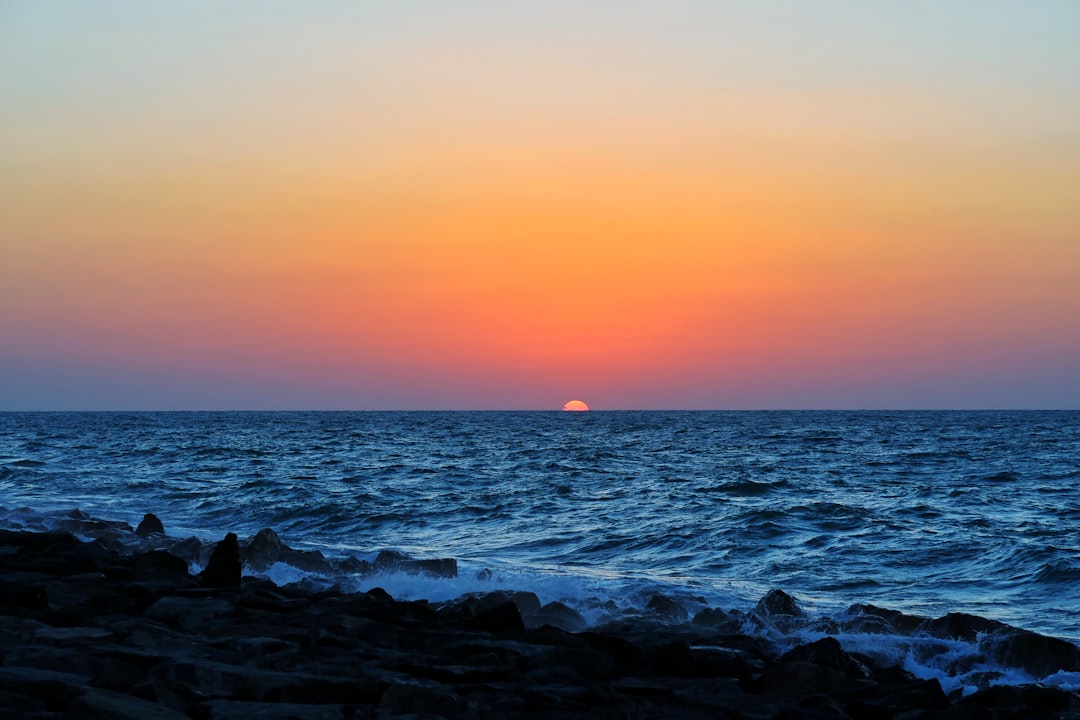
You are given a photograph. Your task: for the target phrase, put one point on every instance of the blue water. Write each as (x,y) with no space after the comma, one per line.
(925,512)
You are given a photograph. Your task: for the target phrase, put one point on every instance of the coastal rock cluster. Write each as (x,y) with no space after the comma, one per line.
(90,630)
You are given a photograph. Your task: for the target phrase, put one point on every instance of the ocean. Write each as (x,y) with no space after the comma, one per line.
(926,513)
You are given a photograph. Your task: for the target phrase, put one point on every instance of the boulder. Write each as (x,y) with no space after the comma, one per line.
(150,525)
(1038,655)
(778,603)
(826,652)
(224,567)
(557,615)
(502,618)
(666,609)
(961,626)
(263,550)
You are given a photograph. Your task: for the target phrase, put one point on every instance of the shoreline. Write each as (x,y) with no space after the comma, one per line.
(89,629)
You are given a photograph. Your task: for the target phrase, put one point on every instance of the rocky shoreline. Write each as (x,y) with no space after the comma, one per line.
(93,629)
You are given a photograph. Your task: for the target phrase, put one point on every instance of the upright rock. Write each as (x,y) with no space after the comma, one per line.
(150,525)
(223,570)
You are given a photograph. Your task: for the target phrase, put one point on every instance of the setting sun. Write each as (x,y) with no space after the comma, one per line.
(575,406)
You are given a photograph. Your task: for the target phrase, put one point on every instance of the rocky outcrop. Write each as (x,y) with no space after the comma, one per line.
(86,632)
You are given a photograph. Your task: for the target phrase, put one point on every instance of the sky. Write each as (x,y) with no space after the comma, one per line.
(424,204)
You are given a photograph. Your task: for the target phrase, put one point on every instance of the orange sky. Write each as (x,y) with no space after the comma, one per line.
(447,205)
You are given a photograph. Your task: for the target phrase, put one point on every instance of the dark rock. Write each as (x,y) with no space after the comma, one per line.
(778,603)
(159,566)
(52,688)
(674,659)
(354,566)
(23,595)
(873,619)
(391,561)
(713,617)
(667,609)
(189,613)
(1036,654)
(263,550)
(224,567)
(502,618)
(428,700)
(557,615)
(150,525)
(1027,701)
(961,626)
(626,656)
(107,703)
(379,594)
(801,679)
(827,652)
(889,701)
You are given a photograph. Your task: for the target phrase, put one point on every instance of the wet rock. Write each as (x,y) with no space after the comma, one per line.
(501,619)
(353,566)
(1027,701)
(713,617)
(674,659)
(961,626)
(666,609)
(263,550)
(224,567)
(886,701)
(159,566)
(421,700)
(52,688)
(23,595)
(801,679)
(877,620)
(1036,654)
(189,613)
(122,706)
(391,561)
(827,652)
(150,525)
(246,710)
(557,615)
(778,603)
(191,550)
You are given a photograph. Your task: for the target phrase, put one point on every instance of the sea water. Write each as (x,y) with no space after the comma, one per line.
(923,512)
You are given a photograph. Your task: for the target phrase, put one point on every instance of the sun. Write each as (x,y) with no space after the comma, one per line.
(575,406)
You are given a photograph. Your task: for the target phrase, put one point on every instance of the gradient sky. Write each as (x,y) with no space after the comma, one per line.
(430,204)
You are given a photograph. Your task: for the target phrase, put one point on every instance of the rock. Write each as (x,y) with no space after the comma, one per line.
(124,707)
(777,603)
(247,710)
(674,659)
(801,679)
(501,619)
(827,652)
(188,613)
(263,550)
(667,609)
(52,688)
(713,617)
(23,595)
(159,566)
(557,615)
(419,700)
(872,619)
(224,568)
(150,525)
(887,702)
(1036,654)
(391,561)
(961,626)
